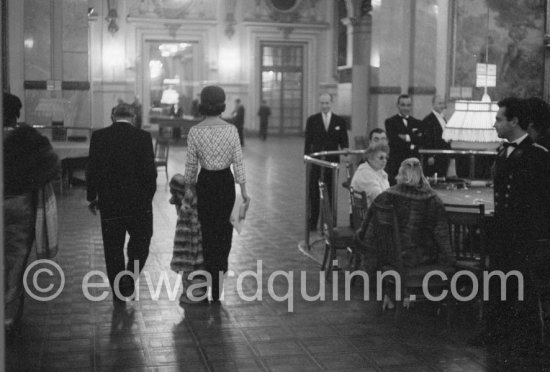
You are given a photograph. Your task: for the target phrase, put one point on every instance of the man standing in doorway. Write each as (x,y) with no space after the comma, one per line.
(325,131)
(121,183)
(238,119)
(264,113)
(404,136)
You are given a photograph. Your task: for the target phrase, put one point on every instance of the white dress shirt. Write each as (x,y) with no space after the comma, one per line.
(326,119)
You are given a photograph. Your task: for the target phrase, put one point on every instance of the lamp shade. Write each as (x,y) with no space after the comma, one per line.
(472,121)
(169,96)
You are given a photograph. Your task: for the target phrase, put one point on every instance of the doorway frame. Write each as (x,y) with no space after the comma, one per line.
(292,43)
(308,35)
(200,33)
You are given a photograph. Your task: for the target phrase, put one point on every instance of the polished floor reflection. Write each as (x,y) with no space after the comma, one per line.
(74,333)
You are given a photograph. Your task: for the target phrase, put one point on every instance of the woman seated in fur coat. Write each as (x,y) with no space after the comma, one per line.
(423,229)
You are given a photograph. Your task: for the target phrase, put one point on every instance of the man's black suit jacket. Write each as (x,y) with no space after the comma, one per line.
(319,139)
(400,149)
(121,170)
(433,133)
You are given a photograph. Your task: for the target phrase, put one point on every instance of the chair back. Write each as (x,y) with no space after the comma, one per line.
(358,200)
(327,220)
(162,148)
(467,231)
(59,133)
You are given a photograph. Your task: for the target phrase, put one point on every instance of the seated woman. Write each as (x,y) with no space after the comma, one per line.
(370,176)
(423,228)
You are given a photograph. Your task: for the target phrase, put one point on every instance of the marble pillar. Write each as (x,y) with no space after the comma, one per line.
(362,28)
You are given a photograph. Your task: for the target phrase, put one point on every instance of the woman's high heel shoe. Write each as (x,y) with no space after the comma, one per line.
(387,303)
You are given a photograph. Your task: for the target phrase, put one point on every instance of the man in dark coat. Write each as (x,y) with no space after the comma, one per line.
(325,131)
(238,119)
(404,136)
(433,126)
(264,113)
(519,241)
(121,182)
(539,121)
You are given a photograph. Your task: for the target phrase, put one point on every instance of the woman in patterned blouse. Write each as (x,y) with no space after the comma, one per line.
(214,145)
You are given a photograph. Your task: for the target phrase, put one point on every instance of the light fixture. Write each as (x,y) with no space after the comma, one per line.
(112,16)
(169,96)
(472,121)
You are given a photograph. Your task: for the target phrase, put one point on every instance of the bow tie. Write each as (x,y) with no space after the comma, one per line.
(510,144)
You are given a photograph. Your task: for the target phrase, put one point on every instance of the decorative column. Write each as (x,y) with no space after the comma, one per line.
(362,33)
(546,43)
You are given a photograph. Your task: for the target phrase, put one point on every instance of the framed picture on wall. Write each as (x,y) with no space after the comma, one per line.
(507,34)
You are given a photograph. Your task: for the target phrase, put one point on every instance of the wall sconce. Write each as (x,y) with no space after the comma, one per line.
(112,16)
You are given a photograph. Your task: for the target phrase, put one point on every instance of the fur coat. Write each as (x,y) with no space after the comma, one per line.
(187,255)
(423,230)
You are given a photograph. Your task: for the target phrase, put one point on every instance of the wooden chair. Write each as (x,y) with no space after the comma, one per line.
(468,241)
(162,148)
(358,201)
(347,184)
(387,225)
(335,238)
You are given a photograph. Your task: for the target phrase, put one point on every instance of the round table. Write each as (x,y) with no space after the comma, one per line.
(469,196)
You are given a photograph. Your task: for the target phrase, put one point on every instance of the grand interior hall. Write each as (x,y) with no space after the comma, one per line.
(70,62)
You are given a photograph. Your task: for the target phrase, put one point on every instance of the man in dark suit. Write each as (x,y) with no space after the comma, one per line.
(404,136)
(238,119)
(432,127)
(121,183)
(325,131)
(519,239)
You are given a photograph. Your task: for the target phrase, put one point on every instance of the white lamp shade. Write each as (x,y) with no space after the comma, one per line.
(472,121)
(169,97)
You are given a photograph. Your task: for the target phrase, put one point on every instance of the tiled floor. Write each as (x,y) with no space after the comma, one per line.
(73,333)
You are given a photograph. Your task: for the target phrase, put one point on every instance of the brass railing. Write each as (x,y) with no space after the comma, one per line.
(317,158)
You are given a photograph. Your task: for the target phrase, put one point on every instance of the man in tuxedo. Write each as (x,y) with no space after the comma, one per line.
(121,182)
(325,131)
(519,239)
(404,136)
(433,126)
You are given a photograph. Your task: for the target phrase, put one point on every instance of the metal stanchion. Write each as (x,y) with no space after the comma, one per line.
(309,163)
(308,207)
(316,159)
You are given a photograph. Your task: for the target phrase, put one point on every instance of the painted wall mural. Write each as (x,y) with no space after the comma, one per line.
(507,33)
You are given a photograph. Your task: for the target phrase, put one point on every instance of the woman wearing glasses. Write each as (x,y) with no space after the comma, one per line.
(370,176)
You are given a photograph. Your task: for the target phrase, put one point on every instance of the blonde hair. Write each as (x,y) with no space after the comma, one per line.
(411,174)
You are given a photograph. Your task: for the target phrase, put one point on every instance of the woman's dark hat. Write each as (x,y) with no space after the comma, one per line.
(212,95)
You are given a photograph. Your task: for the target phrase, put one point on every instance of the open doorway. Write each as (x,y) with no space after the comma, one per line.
(282,86)
(171,80)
